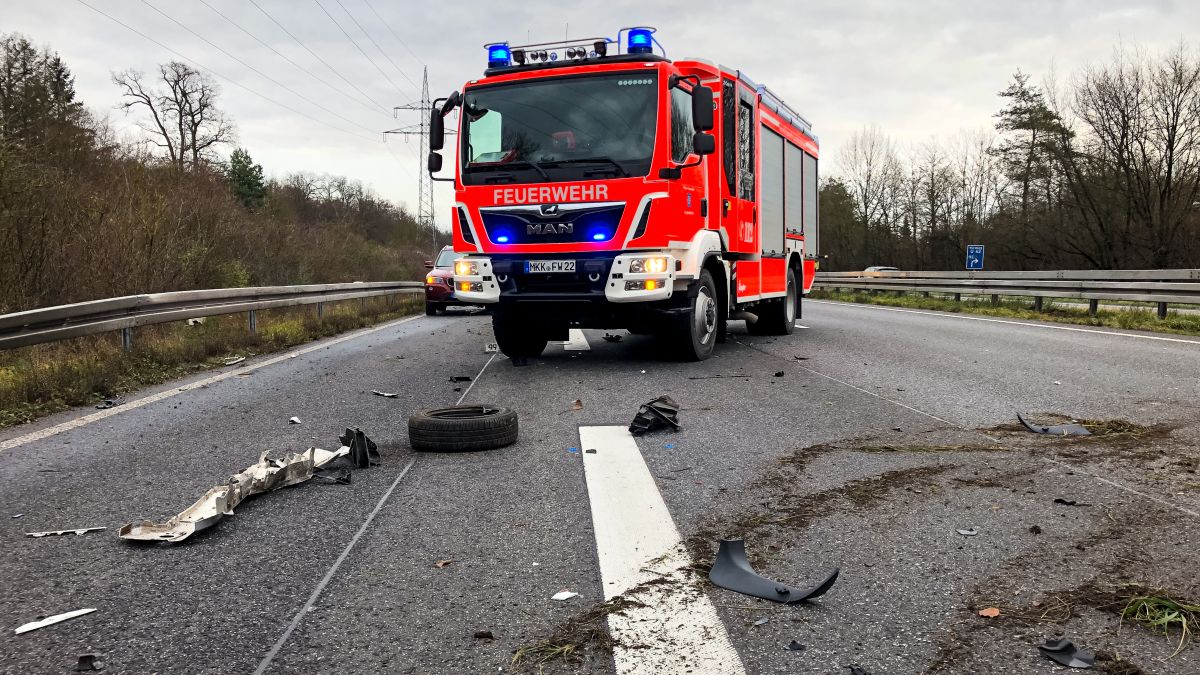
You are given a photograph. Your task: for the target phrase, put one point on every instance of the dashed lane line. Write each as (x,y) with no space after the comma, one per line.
(162,395)
(667,630)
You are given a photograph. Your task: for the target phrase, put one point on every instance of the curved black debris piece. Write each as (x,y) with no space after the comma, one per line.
(1055,430)
(732,570)
(362,449)
(858,670)
(1064,651)
(660,413)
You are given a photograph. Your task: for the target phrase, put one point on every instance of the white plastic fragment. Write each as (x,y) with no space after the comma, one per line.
(385,394)
(51,620)
(563,595)
(968,533)
(294,420)
(55,533)
(233,361)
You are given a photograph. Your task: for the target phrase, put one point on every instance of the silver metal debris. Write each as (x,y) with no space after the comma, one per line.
(266,475)
(294,420)
(51,620)
(385,394)
(56,533)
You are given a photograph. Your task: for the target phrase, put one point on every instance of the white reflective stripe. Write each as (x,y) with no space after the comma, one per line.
(675,630)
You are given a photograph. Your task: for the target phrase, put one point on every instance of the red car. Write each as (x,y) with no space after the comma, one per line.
(439,282)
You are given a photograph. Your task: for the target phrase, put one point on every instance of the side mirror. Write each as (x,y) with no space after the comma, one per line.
(435,162)
(704,144)
(451,103)
(428,264)
(437,130)
(702,109)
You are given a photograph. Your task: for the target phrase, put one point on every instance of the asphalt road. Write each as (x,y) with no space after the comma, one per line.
(886,431)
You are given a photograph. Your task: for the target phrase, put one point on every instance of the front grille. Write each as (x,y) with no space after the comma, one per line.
(552,223)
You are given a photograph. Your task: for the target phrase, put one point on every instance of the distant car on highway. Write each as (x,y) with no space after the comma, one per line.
(881,268)
(439,282)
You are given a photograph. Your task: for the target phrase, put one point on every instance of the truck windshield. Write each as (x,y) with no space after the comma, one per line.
(550,130)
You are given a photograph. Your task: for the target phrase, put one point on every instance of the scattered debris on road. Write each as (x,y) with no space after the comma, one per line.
(577,405)
(460,378)
(109,403)
(858,670)
(609,337)
(563,595)
(1068,502)
(16,515)
(732,570)
(463,428)
(89,662)
(56,533)
(762,622)
(385,394)
(989,612)
(362,451)
(264,476)
(779,373)
(794,646)
(484,635)
(1064,651)
(1055,430)
(657,414)
(233,361)
(442,563)
(337,476)
(590,451)
(51,620)
(971,532)
(1035,529)
(294,420)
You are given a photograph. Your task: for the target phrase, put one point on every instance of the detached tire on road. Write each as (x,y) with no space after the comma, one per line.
(463,428)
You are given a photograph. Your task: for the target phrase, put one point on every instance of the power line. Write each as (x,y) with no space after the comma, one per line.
(318,57)
(256,70)
(385,25)
(284,56)
(223,77)
(360,49)
(385,54)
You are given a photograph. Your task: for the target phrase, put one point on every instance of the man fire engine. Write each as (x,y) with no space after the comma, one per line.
(604,189)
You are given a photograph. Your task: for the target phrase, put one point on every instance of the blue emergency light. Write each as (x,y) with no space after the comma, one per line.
(499,55)
(640,41)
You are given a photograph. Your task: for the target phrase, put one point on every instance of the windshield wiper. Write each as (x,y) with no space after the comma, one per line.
(591,160)
(505,166)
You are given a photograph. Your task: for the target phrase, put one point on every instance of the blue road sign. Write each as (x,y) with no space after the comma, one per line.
(975,257)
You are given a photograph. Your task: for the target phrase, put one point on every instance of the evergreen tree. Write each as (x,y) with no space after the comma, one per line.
(246,178)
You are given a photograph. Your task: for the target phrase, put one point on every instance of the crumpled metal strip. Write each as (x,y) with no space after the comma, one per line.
(1055,430)
(264,476)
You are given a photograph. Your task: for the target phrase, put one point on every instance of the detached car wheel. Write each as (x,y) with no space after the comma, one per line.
(462,428)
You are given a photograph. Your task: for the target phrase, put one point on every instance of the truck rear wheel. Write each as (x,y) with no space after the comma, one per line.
(696,332)
(778,317)
(516,335)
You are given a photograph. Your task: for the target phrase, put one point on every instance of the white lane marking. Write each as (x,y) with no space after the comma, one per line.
(676,629)
(312,599)
(576,342)
(949,315)
(153,398)
(472,385)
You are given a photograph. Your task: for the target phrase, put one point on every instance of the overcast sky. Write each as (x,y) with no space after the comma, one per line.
(919,69)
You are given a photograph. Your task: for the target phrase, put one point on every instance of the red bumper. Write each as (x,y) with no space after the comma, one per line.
(439,293)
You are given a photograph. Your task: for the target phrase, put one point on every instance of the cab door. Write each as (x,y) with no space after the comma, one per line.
(738,205)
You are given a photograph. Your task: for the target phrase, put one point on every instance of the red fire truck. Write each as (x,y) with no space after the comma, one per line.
(601,188)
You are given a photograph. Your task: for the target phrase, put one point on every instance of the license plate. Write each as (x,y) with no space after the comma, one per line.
(538,266)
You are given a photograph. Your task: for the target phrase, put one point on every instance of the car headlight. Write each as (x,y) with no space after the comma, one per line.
(465,268)
(657,265)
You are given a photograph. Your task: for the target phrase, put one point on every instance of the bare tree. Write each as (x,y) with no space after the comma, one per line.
(183,116)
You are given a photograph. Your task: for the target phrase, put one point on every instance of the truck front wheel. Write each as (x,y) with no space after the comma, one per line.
(696,332)
(516,336)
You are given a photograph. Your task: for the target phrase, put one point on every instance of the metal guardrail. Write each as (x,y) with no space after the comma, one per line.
(125,313)
(1162,287)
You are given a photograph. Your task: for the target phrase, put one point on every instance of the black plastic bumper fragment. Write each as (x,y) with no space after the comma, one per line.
(1064,651)
(732,570)
(660,413)
(362,449)
(1057,429)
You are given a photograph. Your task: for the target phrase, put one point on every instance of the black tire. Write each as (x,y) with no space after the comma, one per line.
(778,316)
(517,336)
(463,428)
(432,308)
(695,333)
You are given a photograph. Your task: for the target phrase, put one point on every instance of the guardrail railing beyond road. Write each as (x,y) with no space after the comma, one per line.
(125,313)
(1162,287)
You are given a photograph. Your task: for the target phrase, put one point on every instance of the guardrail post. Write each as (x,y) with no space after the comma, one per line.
(1093,307)
(958,297)
(253,321)
(320,310)
(995,299)
(127,339)
(1037,303)
(1162,310)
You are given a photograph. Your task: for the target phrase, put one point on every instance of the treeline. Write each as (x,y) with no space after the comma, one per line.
(84,215)
(1098,171)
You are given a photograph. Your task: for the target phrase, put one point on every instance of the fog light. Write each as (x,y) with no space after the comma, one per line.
(470,287)
(648,265)
(651,284)
(465,268)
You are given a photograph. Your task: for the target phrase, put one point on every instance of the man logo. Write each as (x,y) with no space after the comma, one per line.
(548,210)
(550,228)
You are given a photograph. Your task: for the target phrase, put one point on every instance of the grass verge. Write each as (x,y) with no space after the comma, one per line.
(43,379)
(1022,308)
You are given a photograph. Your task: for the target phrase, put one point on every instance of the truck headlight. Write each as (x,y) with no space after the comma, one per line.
(465,268)
(656,265)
